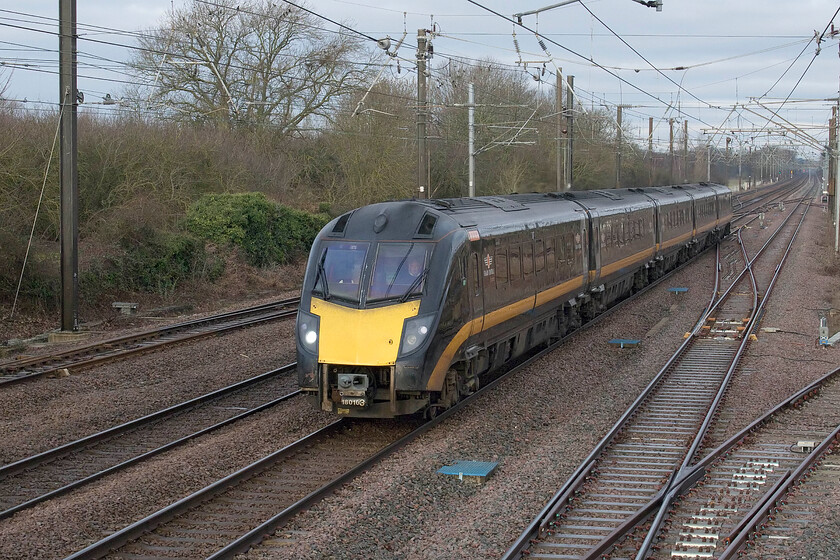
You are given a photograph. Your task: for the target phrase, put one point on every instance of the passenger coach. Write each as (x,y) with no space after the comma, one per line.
(405,305)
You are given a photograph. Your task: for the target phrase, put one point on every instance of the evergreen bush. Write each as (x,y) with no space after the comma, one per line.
(266,232)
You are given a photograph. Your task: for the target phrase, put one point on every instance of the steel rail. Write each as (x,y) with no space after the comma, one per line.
(83,444)
(738,538)
(540,523)
(687,479)
(110,350)
(765,503)
(686,472)
(137,529)
(254,536)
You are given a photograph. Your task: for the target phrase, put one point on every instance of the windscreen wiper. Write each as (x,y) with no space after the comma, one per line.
(323,276)
(414,285)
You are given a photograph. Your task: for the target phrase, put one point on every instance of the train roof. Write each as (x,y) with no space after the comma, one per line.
(496,215)
(493,215)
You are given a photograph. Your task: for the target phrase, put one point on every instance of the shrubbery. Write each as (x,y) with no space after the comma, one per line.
(266,232)
(152,261)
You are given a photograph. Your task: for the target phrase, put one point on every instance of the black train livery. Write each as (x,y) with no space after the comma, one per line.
(406,305)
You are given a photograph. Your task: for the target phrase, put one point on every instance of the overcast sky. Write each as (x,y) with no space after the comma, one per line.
(728,52)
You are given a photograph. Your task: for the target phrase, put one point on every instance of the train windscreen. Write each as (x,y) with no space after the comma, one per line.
(399,271)
(340,270)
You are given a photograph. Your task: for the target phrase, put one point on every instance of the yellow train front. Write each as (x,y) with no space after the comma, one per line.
(372,297)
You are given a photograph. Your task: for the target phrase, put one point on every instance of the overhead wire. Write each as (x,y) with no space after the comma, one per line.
(796,85)
(577,54)
(152,51)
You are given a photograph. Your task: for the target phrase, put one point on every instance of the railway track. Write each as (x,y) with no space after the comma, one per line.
(743,483)
(747,204)
(659,437)
(60,470)
(232,514)
(114,349)
(797,510)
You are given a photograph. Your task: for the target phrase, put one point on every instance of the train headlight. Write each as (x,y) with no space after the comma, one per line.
(307,328)
(415,332)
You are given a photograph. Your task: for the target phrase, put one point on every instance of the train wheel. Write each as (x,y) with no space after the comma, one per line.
(448,397)
(640,280)
(451,394)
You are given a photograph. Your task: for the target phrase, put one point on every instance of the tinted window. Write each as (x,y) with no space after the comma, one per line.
(549,253)
(501,267)
(340,270)
(569,248)
(561,250)
(476,274)
(528,259)
(399,270)
(515,264)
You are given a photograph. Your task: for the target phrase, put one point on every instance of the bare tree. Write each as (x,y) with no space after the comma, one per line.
(374,148)
(508,119)
(252,62)
(5,79)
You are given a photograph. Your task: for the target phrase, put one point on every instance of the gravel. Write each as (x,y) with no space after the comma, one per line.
(42,414)
(64,525)
(538,425)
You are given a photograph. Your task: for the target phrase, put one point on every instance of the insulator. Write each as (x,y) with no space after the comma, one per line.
(542,44)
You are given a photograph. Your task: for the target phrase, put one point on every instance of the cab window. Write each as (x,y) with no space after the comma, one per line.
(340,270)
(399,270)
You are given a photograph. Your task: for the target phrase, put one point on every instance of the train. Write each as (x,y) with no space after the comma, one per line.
(407,306)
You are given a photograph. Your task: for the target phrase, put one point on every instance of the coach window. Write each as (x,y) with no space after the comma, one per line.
(501,267)
(539,256)
(528,259)
(569,249)
(515,263)
(549,253)
(476,274)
